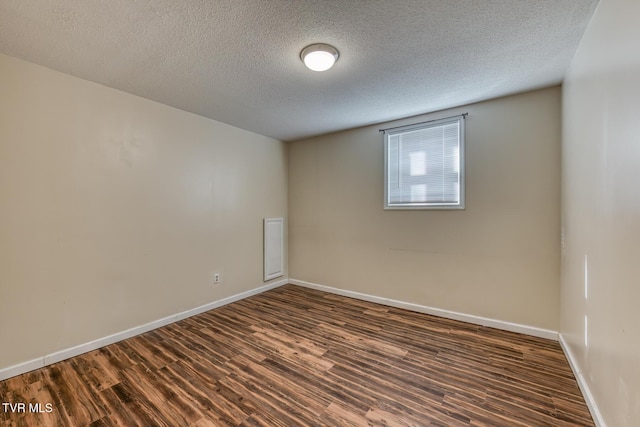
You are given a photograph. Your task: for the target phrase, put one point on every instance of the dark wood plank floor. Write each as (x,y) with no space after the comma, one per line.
(299,357)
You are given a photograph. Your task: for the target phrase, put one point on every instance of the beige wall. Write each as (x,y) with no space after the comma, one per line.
(601,210)
(499,258)
(116,211)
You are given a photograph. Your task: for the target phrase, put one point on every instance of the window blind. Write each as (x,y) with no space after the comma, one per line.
(424,165)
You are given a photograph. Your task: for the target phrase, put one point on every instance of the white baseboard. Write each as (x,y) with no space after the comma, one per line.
(469,318)
(58,356)
(582,383)
(21,368)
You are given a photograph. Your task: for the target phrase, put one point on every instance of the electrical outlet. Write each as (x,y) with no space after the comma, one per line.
(216,278)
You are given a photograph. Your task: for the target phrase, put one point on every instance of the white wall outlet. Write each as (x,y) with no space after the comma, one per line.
(216,278)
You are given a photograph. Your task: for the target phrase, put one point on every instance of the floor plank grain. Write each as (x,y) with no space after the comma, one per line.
(294,356)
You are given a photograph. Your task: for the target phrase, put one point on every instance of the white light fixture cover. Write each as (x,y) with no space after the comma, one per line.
(319,56)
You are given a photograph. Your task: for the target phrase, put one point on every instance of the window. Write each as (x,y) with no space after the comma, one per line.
(424,165)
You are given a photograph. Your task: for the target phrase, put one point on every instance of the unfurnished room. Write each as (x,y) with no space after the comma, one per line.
(319,213)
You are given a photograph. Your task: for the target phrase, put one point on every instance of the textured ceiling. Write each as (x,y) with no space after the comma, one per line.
(237,61)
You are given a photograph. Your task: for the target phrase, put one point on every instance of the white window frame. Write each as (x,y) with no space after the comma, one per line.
(388,133)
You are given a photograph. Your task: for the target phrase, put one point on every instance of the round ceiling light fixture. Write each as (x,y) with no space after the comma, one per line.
(319,56)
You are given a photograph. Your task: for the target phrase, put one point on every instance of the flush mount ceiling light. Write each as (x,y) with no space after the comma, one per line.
(319,56)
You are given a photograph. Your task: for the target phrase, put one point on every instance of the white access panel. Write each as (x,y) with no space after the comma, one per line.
(273,248)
